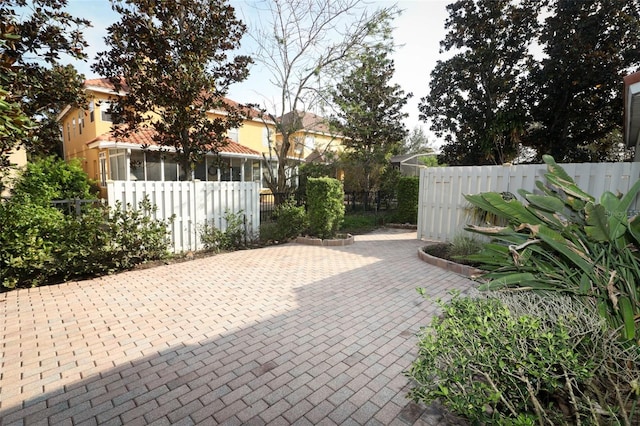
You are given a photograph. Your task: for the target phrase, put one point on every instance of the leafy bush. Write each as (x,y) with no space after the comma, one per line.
(522,359)
(408,190)
(39,245)
(51,178)
(232,238)
(564,240)
(389,186)
(325,206)
(30,233)
(290,221)
(134,236)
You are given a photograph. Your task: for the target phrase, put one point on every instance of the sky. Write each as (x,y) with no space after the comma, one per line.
(418,32)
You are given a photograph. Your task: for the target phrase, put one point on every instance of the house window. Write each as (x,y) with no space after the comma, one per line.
(225,169)
(68,131)
(105,115)
(200,171)
(233,134)
(118,164)
(80,121)
(103,169)
(252,171)
(298,146)
(265,137)
(153,165)
(170,169)
(310,142)
(92,107)
(256,171)
(73,124)
(136,165)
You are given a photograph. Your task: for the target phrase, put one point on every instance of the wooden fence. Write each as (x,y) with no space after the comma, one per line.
(443,212)
(192,204)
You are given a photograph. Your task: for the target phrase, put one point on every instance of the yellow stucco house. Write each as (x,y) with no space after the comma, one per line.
(313,139)
(87,135)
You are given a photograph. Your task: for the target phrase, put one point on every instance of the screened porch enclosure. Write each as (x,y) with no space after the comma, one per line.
(147,165)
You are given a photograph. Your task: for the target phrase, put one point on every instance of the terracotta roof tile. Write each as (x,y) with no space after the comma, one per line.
(145,138)
(105,83)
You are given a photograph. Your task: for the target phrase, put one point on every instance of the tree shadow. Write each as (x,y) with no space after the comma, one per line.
(322,335)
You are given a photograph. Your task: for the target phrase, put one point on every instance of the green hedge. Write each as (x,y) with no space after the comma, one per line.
(408,190)
(325,206)
(40,244)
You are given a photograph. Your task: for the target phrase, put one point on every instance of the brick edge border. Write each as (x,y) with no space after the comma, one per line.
(464,270)
(338,242)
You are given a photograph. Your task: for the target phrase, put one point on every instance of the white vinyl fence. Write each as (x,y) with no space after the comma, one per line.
(443,211)
(193,204)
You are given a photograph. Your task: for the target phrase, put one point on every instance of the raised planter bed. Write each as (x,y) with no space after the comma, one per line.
(347,240)
(465,270)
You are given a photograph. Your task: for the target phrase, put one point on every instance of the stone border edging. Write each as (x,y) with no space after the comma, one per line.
(465,270)
(310,241)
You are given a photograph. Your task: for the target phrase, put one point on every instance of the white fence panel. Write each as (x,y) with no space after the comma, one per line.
(443,212)
(192,204)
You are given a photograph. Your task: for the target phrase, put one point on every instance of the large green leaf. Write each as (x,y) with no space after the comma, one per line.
(568,250)
(597,227)
(634,228)
(629,197)
(575,195)
(550,218)
(546,202)
(513,210)
(554,168)
(628,318)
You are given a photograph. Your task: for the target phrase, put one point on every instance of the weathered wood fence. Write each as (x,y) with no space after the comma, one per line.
(443,212)
(192,204)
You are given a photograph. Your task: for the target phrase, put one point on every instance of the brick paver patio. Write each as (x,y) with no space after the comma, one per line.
(289,334)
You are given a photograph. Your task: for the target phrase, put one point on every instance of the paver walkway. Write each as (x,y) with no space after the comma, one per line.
(289,334)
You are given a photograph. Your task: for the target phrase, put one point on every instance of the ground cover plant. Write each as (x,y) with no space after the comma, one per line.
(361,223)
(457,250)
(526,359)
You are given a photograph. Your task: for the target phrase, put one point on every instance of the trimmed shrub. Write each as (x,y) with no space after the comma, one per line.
(325,206)
(525,359)
(290,221)
(408,190)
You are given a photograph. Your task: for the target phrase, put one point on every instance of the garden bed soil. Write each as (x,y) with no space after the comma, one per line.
(437,254)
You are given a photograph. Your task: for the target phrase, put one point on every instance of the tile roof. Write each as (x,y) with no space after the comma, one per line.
(105,83)
(145,138)
(308,121)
